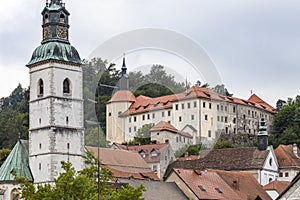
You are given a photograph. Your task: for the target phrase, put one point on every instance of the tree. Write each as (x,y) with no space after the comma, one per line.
(287,124)
(3,155)
(222,90)
(223,145)
(154,84)
(143,135)
(80,185)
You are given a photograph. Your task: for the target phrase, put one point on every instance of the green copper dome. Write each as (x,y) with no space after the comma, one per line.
(55,51)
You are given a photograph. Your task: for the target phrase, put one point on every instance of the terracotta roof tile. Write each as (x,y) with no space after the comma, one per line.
(145,104)
(148,149)
(121,96)
(206,185)
(279,186)
(243,183)
(188,158)
(123,163)
(248,158)
(166,126)
(286,157)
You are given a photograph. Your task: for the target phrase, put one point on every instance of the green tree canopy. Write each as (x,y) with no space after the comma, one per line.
(286,127)
(80,185)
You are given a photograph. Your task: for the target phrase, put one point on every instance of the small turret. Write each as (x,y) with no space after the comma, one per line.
(262,136)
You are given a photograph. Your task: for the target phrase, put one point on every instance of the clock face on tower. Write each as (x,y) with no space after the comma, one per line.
(46,33)
(62,32)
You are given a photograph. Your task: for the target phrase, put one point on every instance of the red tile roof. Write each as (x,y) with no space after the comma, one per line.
(123,164)
(206,185)
(241,159)
(286,156)
(279,186)
(166,126)
(159,148)
(121,96)
(243,183)
(145,104)
(188,158)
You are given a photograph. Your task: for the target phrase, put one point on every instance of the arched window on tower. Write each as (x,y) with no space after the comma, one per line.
(46,18)
(62,18)
(66,86)
(40,88)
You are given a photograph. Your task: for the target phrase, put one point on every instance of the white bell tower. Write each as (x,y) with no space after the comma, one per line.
(56,130)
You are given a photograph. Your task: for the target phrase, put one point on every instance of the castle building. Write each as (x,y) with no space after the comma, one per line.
(201,112)
(56,130)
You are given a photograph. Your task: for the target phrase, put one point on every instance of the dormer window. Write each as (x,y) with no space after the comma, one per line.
(62,18)
(66,86)
(40,88)
(143,154)
(154,153)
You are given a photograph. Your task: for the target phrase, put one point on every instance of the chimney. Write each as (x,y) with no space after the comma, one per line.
(295,149)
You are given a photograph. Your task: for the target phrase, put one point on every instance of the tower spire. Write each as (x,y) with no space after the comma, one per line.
(123,77)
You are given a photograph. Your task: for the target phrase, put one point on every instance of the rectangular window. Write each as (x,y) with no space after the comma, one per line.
(176,106)
(184,140)
(221,107)
(129,119)
(177,139)
(195,104)
(192,117)
(204,105)
(206,117)
(148,116)
(226,119)
(129,129)
(209,133)
(234,120)
(233,109)
(189,105)
(286,174)
(109,114)
(218,118)
(153,115)
(169,113)
(134,119)
(209,105)
(218,107)
(182,106)
(226,129)
(154,168)
(134,129)
(280,174)
(234,130)
(225,108)
(179,119)
(163,114)
(143,117)
(222,119)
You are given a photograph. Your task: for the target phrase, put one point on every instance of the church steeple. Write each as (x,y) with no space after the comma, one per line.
(55,22)
(55,43)
(123,77)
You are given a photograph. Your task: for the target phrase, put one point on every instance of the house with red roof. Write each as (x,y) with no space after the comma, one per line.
(200,112)
(124,164)
(275,188)
(164,132)
(288,157)
(217,184)
(157,156)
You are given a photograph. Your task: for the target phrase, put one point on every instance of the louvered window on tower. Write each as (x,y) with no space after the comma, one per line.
(40,88)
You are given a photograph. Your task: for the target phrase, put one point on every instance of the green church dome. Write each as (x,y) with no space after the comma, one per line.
(55,51)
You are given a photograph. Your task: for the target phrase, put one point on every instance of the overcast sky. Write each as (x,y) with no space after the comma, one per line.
(254,45)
